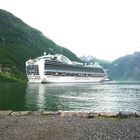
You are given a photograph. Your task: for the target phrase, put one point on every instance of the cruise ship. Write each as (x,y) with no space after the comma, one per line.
(58,68)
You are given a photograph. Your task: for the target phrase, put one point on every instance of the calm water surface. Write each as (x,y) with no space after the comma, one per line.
(101,97)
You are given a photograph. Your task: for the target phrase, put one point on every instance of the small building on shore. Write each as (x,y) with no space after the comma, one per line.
(1,68)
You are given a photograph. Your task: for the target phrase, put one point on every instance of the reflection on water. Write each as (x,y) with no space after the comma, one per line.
(83,97)
(12,96)
(108,97)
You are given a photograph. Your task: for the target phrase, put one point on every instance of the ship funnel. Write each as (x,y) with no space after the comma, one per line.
(44,53)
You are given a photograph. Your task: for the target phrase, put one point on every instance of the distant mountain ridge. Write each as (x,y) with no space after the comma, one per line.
(123,68)
(126,68)
(20,42)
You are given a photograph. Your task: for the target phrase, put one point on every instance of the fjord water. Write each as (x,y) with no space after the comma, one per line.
(100,97)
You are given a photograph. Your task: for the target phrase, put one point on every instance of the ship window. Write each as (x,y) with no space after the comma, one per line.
(63,58)
(32,69)
(72,69)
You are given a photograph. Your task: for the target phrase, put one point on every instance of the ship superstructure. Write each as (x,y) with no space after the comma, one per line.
(58,68)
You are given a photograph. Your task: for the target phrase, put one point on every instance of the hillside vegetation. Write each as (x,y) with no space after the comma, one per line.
(20,42)
(126,68)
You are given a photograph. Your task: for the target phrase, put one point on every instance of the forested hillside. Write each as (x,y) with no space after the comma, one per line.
(20,42)
(126,68)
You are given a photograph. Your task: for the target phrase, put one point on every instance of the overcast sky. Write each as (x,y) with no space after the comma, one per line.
(106,29)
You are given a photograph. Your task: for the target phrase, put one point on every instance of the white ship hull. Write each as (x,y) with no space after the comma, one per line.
(64,79)
(59,69)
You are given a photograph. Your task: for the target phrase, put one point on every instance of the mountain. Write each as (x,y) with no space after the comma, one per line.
(91,60)
(126,68)
(20,42)
(123,68)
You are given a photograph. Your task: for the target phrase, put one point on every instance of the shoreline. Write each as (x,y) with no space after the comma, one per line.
(63,125)
(72,113)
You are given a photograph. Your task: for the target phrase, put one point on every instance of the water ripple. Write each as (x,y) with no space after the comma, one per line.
(106,97)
